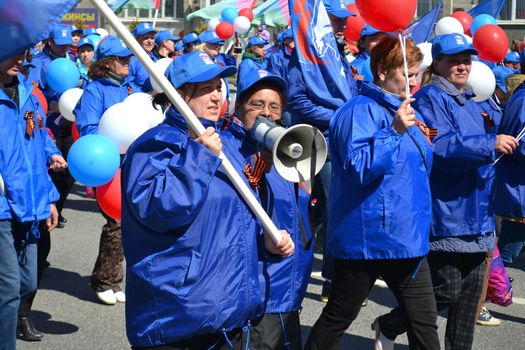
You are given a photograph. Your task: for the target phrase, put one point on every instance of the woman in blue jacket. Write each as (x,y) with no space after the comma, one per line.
(108,87)
(190,241)
(379,210)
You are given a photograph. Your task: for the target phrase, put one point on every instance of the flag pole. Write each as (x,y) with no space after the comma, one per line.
(189,116)
(157,6)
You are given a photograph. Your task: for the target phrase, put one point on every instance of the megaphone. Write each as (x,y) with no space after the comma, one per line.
(295,150)
(2,186)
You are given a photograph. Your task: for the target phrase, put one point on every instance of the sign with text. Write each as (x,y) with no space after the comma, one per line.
(88,17)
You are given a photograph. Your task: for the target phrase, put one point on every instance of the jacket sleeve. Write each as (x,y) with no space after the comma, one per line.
(166,187)
(54,196)
(275,64)
(453,151)
(50,147)
(513,123)
(88,112)
(367,147)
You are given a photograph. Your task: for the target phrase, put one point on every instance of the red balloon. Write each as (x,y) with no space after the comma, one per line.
(465,19)
(74,132)
(224,30)
(387,15)
(41,98)
(354,24)
(109,197)
(246,13)
(492,43)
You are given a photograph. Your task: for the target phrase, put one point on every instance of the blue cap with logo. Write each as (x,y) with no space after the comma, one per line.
(337,8)
(61,35)
(368,30)
(512,57)
(190,38)
(209,37)
(250,77)
(179,46)
(112,46)
(256,40)
(84,42)
(77,30)
(451,44)
(196,67)
(91,31)
(165,35)
(501,73)
(143,28)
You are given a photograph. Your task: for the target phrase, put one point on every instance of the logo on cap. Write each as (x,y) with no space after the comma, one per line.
(262,73)
(63,33)
(146,25)
(206,58)
(460,40)
(123,45)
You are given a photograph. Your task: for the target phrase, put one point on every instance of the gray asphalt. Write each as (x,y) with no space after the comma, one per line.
(67,312)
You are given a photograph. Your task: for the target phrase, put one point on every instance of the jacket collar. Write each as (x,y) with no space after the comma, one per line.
(448,88)
(389,101)
(175,118)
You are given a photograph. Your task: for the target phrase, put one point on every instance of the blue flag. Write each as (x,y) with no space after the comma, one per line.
(420,30)
(23,23)
(488,7)
(317,51)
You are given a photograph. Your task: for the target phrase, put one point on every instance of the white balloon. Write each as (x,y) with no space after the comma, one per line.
(468,39)
(160,66)
(448,25)
(123,124)
(2,186)
(102,32)
(426,50)
(143,105)
(68,101)
(212,23)
(241,24)
(482,81)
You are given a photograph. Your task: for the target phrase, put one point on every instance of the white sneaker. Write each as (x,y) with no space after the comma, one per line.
(107,297)
(381,342)
(121,296)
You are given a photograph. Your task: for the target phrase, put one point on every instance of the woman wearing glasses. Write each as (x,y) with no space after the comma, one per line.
(107,88)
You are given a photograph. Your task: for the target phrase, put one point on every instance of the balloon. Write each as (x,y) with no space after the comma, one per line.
(464,18)
(482,81)
(109,197)
(74,132)
(212,23)
(241,24)
(229,14)
(387,15)
(426,50)
(480,21)
(62,74)
(224,30)
(492,43)
(41,98)
(448,25)
(160,66)
(248,13)
(93,160)
(95,39)
(68,102)
(102,32)
(123,123)
(2,186)
(143,107)
(468,39)
(354,24)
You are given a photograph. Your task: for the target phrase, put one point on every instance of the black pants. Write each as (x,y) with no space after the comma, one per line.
(63,180)
(280,331)
(352,282)
(458,282)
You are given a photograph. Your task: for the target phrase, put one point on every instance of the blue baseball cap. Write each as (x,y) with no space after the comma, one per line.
(451,44)
(75,29)
(179,46)
(190,38)
(165,35)
(256,40)
(252,76)
(337,8)
(143,28)
(61,35)
(279,37)
(195,67)
(512,57)
(84,42)
(91,31)
(209,37)
(501,73)
(112,46)
(288,34)
(368,30)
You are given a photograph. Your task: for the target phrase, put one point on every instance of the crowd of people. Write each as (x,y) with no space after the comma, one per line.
(417,190)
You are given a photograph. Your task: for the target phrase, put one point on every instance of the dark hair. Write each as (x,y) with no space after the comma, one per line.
(245,96)
(388,55)
(99,69)
(187,90)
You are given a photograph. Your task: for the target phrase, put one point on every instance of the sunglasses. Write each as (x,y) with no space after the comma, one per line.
(123,60)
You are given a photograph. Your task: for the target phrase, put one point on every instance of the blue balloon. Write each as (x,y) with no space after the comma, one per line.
(367,71)
(62,74)
(480,21)
(93,160)
(229,14)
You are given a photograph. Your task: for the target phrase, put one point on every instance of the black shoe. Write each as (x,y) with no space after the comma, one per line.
(25,330)
(62,219)
(511,279)
(60,225)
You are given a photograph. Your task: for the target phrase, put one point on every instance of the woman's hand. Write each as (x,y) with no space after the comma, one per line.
(284,248)
(211,140)
(52,221)
(506,144)
(405,117)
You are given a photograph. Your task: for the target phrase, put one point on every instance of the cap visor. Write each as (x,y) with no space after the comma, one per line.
(123,53)
(63,41)
(221,72)
(341,13)
(457,50)
(280,82)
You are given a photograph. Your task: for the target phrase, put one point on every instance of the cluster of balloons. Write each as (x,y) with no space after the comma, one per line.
(232,20)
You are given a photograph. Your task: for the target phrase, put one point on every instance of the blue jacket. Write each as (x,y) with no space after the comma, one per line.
(189,240)
(463,153)
(223,59)
(139,76)
(286,279)
(41,60)
(359,62)
(249,62)
(99,95)
(23,159)
(379,204)
(278,62)
(509,185)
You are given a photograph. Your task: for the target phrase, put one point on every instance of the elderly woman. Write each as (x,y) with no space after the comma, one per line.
(379,208)
(190,241)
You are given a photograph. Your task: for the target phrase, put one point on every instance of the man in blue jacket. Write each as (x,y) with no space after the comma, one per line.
(138,75)
(279,60)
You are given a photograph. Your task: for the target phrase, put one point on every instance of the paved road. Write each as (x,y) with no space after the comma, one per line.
(67,312)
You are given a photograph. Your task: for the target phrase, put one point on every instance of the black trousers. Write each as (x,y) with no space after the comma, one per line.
(408,279)
(458,284)
(280,331)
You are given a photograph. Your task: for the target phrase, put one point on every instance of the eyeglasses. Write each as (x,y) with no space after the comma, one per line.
(274,108)
(123,60)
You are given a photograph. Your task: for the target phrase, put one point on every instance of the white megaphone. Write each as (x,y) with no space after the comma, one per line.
(2,186)
(295,150)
